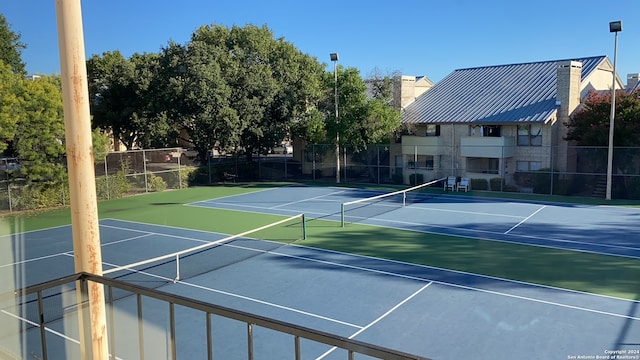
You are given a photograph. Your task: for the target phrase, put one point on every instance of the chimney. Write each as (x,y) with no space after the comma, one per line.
(569,77)
(632,81)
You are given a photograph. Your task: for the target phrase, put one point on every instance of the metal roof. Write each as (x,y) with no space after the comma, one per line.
(494,94)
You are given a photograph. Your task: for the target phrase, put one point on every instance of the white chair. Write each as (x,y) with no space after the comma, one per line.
(450,183)
(464,184)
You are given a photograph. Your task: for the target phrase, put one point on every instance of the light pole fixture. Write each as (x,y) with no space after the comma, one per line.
(614,27)
(334,58)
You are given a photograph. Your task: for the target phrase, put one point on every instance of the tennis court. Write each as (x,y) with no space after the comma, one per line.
(596,229)
(424,310)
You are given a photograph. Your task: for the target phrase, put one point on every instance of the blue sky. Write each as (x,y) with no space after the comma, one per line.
(413,37)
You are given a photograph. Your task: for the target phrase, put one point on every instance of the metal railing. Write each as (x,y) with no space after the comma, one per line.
(251,321)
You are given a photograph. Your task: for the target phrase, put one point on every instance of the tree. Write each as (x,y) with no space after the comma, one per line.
(195,95)
(237,89)
(11,48)
(362,121)
(589,127)
(39,137)
(10,87)
(100,143)
(123,101)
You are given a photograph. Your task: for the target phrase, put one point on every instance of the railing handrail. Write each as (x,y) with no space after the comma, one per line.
(350,345)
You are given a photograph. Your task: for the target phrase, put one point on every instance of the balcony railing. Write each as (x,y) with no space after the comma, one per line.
(352,347)
(488,147)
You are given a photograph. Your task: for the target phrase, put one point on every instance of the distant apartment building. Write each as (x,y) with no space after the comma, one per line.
(493,121)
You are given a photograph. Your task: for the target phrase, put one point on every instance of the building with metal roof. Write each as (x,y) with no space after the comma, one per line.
(493,121)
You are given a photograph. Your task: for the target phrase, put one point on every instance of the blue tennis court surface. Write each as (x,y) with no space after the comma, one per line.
(423,310)
(596,229)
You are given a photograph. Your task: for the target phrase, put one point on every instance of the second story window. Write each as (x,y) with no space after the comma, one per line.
(530,135)
(433,130)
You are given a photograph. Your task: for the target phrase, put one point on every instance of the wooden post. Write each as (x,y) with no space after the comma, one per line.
(82,186)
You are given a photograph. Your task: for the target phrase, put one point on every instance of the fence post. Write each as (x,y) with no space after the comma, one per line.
(106,177)
(179,170)
(9,196)
(209,166)
(144,168)
(344,154)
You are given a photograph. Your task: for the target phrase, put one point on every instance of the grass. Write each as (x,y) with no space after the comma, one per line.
(600,274)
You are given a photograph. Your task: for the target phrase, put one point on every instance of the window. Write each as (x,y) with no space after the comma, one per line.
(490,130)
(528,165)
(530,135)
(483,165)
(433,130)
(424,162)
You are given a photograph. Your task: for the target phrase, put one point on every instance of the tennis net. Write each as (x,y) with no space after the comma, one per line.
(157,272)
(361,209)
(211,256)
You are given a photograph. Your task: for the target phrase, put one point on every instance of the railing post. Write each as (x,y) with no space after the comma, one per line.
(249,341)
(112,324)
(172,325)
(140,327)
(209,338)
(84,314)
(43,331)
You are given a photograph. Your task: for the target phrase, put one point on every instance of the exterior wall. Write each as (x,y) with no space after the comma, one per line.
(407,88)
(450,159)
(569,89)
(632,81)
(600,79)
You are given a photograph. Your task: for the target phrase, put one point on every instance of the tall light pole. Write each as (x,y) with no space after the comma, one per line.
(614,27)
(334,58)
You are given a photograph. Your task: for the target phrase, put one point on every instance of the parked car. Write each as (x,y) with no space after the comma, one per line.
(9,164)
(188,153)
(283,149)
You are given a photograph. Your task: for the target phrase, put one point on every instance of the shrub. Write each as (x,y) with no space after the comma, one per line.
(40,196)
(496,184)
(479,184)
(156,183)
(416,179)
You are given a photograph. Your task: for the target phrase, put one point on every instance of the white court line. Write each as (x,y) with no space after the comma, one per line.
(233,195)
(36,230)
(473,288)
(491,291)
(35,259)
(157,226)
(35,324)
(602,245)
(149,233)
(54,332)
(319,197)
(414,207)
(309,199)
(235,206)
(525,219)
(378,319)
(242,296)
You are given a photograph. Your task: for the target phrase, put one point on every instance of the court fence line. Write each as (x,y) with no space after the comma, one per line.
(171,300)
(548,170)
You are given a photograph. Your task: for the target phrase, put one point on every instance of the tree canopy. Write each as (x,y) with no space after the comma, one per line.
(236,89)
(11,48)
(590,125)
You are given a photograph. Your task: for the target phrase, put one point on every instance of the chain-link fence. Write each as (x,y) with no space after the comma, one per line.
(572,171)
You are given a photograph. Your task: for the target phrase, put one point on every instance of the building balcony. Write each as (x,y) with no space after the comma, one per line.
(488,147)
(422,145)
